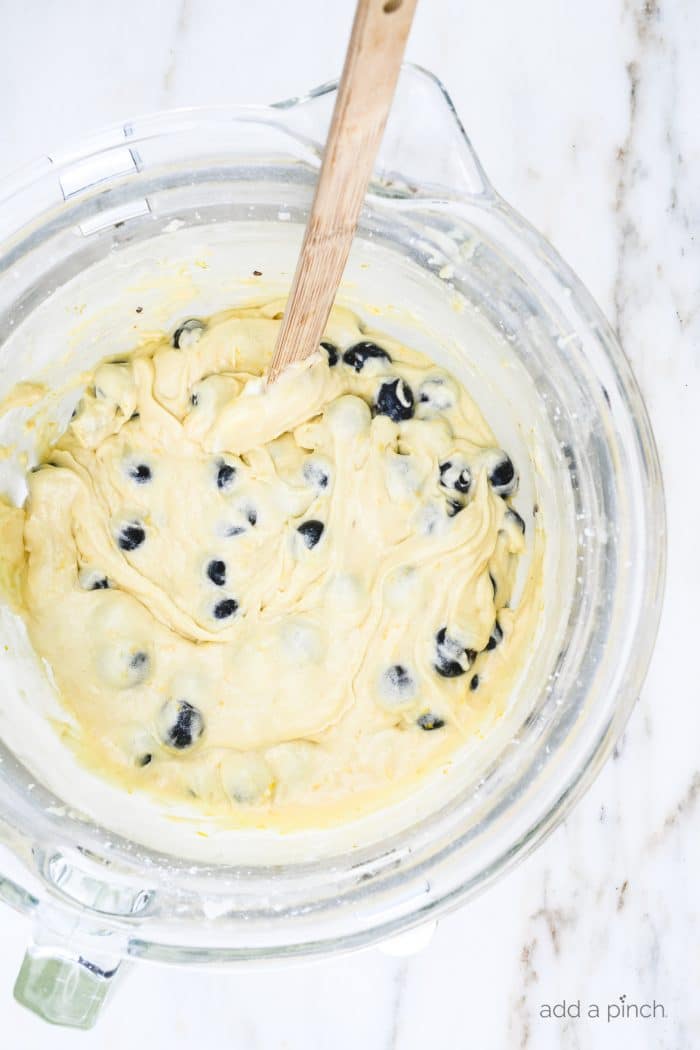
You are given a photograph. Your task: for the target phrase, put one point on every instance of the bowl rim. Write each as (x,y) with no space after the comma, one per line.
(185,118)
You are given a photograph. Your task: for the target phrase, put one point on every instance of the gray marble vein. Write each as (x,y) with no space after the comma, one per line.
(180,38)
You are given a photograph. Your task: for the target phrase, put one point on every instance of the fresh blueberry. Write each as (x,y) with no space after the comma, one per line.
(92,580)
(225,608)
(216,571)
(455,476)
(131,535)
(233,530)
(356,356)
(474,684)
(430,721)
(452,658)
(502,476)
(123,665)
(139,663)
(435,394)
(225,476)
(181,724)
(515,519)
(449,668)
(332,352)
(395,400)
(140,473)
(496,636)
(311,532)
(315,474)
(188,333)
(398,687)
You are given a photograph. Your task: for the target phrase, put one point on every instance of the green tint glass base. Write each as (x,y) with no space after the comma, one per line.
(63,991)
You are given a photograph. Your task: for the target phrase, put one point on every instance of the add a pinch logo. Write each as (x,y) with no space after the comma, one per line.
(620,1009)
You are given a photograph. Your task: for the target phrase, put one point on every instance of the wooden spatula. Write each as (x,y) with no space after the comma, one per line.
(365,94)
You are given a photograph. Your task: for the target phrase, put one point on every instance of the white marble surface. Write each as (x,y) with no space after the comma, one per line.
(585,116)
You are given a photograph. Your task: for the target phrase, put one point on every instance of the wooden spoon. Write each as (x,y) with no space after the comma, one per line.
(366,90)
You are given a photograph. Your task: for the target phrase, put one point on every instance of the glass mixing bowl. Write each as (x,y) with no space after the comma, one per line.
(175,212)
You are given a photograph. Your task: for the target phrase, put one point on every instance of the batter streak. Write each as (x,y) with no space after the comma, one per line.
(285,602)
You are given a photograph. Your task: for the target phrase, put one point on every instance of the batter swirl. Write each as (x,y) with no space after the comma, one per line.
(262,601)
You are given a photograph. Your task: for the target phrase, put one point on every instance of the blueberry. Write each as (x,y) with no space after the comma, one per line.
(216,571)
(449,668)
(395,400)
(311,532)
(181,724)
(436,394)
(92,580)
(131,535)
(474,684)
(140,473)
(502,476)
(225,476)
(398,676)
(452,659)
(496,636)
(233,530)
(430,721)
(398,686)
(139,663)
(357,355)
(315,474)
(188,333)
(225,608)
(332,352)
(123,665)
(455,476)
(515,519)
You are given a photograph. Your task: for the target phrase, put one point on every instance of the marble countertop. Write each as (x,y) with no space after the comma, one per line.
(585,117)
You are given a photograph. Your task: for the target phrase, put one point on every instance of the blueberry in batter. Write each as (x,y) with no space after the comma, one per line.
(267,603)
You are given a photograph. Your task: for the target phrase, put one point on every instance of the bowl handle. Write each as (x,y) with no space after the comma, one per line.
(425,152)
(62,986)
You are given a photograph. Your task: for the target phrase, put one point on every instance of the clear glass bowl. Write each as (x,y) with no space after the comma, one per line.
(228,191)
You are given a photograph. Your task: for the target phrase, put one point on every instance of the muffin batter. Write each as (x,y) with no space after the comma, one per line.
(274,602)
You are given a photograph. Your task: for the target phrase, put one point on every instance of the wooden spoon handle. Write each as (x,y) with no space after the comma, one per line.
(366,90)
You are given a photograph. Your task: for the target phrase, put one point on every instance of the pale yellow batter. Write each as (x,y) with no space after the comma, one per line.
(285,605)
